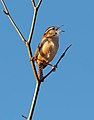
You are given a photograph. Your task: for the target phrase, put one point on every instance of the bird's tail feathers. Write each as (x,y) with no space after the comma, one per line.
(40,71)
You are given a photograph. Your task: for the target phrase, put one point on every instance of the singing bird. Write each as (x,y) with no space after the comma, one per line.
(47,48)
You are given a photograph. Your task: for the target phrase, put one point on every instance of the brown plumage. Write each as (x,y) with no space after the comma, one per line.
(47,48)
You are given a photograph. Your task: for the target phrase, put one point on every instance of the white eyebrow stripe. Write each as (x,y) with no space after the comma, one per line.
(49,29)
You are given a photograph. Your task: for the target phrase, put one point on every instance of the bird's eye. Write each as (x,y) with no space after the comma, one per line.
(53,28)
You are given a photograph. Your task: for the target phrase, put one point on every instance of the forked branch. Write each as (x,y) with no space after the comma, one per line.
(38,5)
(27,43)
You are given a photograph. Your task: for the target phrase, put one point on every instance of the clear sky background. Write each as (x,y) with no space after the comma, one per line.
(67,94)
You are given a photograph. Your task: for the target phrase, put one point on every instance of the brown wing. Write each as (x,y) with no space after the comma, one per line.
(39,47)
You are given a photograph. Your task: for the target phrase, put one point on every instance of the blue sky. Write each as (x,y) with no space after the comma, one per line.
(67,94)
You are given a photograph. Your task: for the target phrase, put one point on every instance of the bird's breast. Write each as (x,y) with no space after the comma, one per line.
(49,50)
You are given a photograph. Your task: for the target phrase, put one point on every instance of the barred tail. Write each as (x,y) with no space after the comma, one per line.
(40,71)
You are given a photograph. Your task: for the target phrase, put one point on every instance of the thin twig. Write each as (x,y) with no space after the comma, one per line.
(63,54)
(39,3)
(33,3)
(24,116)
(12,21)
(34,19)
(54,68)
(5,7)
(34,100)
(32,26)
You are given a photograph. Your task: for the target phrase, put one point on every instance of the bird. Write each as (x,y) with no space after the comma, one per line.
(47,48)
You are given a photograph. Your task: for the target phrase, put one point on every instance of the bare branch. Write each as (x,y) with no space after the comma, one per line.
(29,50)
(32,26)
(39,3)
(24,116)
(48,74)
(33,3)
(36,7)
(12,21)
(55,66)
(5,7)
(32,61)
(63,54)
(34,100)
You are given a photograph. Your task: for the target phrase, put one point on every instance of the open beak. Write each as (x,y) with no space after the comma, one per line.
(60,30)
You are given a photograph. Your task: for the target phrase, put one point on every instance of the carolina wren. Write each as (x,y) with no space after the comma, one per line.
(47,48)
